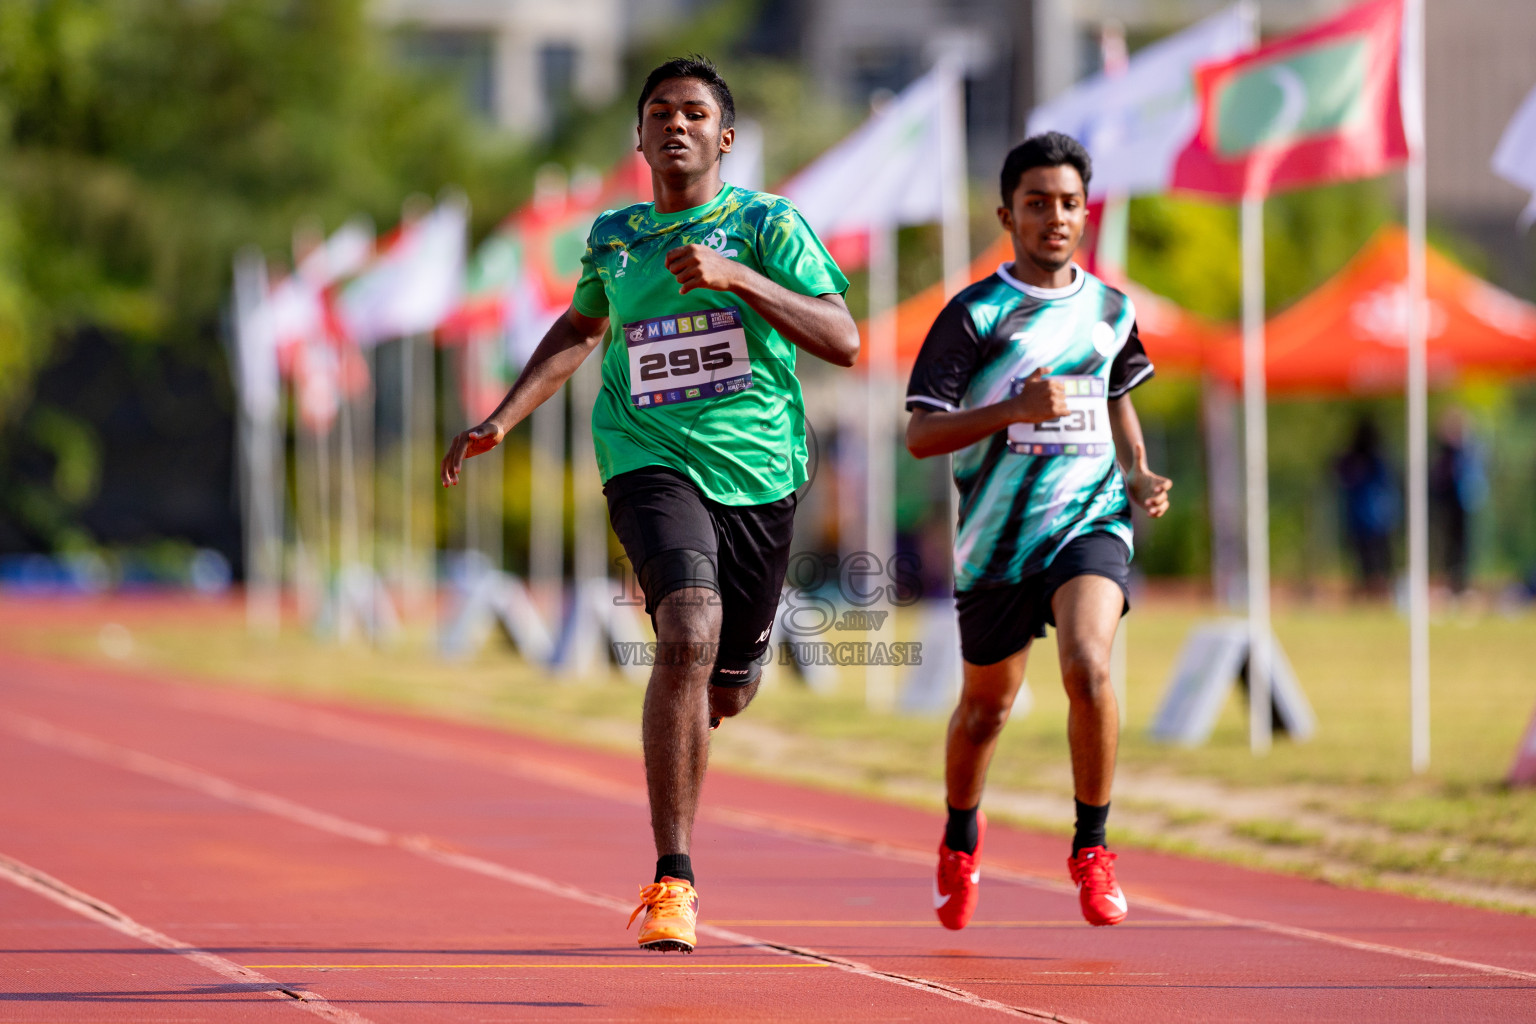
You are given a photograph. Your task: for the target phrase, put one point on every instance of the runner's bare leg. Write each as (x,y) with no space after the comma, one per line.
(728,701)
(986,698)
(675,723)
(1087,611)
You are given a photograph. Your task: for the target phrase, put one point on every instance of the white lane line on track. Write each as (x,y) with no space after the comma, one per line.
(49,735)
(27,877)
(297,717)
(746,819)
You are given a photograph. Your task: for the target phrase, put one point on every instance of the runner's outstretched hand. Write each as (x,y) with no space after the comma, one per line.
(1041,400)
(699,266)
(1147,489)
(468,444)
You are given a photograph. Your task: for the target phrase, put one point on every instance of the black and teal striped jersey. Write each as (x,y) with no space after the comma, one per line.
(1027,491)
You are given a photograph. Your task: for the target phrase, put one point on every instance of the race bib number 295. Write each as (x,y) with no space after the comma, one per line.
(687,357)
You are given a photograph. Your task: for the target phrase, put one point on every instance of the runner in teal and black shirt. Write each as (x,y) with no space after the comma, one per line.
(1028,492)
(705,297)
(1026,377)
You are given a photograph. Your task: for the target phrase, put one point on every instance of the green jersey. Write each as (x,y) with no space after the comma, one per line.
(700,382)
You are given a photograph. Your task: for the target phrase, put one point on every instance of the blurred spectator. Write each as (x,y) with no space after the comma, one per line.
(1371,508)
(1457,489)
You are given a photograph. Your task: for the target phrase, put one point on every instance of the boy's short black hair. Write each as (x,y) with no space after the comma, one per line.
(1051,149)
(698,66)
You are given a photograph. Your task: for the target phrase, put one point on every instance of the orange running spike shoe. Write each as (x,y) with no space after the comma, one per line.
(671,909)
(1093,869)
(957,886)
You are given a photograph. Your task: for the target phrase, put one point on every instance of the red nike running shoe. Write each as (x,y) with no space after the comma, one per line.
(957,886)
(1093,869)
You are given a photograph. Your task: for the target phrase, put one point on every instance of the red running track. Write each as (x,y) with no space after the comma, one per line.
(171,852)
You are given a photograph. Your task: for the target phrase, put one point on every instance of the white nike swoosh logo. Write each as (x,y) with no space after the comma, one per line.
(938,900)
(1118,899)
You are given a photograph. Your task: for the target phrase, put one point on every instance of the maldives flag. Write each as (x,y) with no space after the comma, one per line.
(1312,108)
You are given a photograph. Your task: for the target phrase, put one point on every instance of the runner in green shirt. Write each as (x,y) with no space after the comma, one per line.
(699,429)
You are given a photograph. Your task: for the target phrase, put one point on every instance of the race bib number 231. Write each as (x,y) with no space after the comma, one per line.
(1084,430)
(687,357)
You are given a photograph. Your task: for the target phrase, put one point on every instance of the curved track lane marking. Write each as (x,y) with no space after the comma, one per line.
(701,966)
(80,744)
(1194,915)
(261,709)
(27,877)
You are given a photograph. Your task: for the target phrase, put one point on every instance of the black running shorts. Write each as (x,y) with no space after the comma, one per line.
(675,537)
(997,622)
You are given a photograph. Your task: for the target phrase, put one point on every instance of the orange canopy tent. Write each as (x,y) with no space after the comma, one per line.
(1351,334)
(1175,339)
(1348,336)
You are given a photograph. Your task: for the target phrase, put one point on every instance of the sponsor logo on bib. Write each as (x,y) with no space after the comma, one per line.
(698,355)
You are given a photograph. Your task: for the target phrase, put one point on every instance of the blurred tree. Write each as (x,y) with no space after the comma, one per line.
(141,143)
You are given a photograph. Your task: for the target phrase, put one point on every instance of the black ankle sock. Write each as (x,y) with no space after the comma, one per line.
(674,865)
(1090,826)
(960,830)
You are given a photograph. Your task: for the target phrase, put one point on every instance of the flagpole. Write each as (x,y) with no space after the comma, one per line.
(1256,457)
(468,363)
(546,505)
(310,519)
(260,448)
(1256,451)
(955,225)
(425,413)
(590,525)
(348,542)
(407,425)
(328,540)
(366,429)
(944,643)
(1418,412)
(880,463)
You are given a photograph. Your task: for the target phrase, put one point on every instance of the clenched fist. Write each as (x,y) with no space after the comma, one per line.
(1040,400)
(699,266)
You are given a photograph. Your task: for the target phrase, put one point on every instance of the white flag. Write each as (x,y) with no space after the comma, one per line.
(295,306)
(340,256)
(1134,124)
(890,170)
(255,338)
(414,284)
(1515,159)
